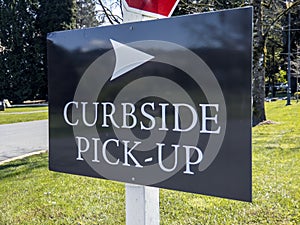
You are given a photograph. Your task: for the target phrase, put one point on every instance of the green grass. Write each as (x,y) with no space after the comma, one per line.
(23,114)
(30,194)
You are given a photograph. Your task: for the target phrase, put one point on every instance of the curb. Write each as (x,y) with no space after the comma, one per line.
(23,156)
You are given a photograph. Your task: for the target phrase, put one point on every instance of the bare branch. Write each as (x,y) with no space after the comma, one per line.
(284,12)
(109,14)
(105,11)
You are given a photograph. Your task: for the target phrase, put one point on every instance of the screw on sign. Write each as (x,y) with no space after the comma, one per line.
(160,7)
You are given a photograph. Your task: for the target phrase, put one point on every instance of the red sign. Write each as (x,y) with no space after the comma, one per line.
(160,7)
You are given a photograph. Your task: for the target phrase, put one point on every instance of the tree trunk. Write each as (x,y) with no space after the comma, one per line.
(258,93)
(258,87)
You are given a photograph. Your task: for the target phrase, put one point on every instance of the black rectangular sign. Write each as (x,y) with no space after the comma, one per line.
(164,103)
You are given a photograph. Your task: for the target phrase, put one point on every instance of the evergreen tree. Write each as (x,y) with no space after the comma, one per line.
(23,29)
(18,72)
(54,15)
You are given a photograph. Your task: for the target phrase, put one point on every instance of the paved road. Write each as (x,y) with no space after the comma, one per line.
(23,138)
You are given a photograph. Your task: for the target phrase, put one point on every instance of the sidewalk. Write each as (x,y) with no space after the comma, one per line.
(23,138)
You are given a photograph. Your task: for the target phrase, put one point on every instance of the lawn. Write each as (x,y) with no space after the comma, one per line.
(23,114)
(30,194)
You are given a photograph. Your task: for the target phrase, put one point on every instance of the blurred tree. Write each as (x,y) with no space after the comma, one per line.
(54,15)
(18,71)
(86,15)
(23,29)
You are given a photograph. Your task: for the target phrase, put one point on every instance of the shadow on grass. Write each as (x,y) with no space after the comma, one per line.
(294,149)
(7,166)
(23,166)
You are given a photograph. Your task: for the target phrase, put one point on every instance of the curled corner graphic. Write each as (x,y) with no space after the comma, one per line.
(127,59)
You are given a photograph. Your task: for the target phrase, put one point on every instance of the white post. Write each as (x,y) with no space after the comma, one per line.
(142,202)
(132,16)
(142,205)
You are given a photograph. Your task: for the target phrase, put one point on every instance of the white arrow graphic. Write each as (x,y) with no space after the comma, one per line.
(127,58)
